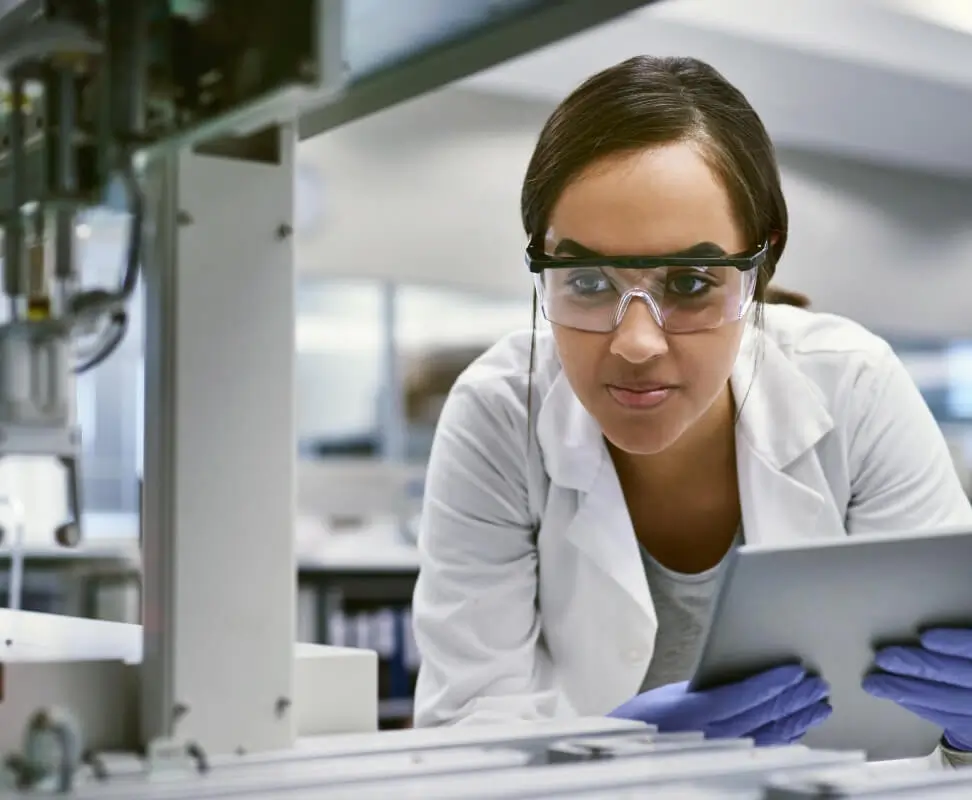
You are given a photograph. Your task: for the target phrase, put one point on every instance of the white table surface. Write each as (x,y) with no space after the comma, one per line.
(30,636)
(377,546)
(33,636)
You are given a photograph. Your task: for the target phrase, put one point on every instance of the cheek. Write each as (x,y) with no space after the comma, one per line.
(706,360)
(580,353)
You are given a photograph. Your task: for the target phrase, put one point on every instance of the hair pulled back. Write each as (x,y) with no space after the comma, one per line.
(647,102)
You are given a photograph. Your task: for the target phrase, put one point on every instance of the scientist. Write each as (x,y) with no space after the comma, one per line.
(586,482)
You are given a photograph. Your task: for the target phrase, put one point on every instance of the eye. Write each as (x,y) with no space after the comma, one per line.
(688,284)
(587,282)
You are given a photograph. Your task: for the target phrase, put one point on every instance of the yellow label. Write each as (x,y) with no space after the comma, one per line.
(38,309)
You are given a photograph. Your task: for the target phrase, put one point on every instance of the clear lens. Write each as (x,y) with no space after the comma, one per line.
(681,299)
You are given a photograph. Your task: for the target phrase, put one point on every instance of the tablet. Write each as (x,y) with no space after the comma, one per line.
(828,605)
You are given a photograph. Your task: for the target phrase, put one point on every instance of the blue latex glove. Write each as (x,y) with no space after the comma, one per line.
(933,681)
(774,707)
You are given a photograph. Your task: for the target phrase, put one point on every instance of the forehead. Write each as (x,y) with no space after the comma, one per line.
(661,200)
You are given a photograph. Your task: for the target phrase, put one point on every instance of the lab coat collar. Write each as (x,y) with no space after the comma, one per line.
(570,439)
(782,415)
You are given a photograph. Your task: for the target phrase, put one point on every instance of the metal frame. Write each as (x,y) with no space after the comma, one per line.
(219,584)
(522,33)
(394,427)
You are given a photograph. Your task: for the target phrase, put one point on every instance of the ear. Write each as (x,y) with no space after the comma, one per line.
(774,238)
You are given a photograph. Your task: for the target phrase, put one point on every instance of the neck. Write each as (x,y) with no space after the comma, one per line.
(708,446)
(684,502)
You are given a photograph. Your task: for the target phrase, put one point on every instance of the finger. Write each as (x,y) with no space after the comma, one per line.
(802,696)
(794,727)
(917,692)
(737,698)
(917,662)
(948,641)
(947,720)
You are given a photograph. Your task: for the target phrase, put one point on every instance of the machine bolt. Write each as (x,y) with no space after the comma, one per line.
(307,70)
(184,218)
(284,231)
(179,710)
(68,534)
(282,706)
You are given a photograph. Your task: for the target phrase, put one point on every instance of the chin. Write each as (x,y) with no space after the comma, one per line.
(645,439)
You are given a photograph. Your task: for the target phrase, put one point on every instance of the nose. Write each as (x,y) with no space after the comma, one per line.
(638,337)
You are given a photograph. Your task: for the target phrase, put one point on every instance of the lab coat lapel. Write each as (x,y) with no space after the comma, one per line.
(602,529)
(576,458)
(782,417)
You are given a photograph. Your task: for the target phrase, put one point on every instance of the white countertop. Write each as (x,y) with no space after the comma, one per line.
(34,636)
(377,546)
(30,636)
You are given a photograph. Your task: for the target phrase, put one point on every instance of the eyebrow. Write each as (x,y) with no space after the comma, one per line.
(573,249)
(568,247)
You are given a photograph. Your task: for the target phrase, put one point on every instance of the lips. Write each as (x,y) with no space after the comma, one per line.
(640,395)
(641,387)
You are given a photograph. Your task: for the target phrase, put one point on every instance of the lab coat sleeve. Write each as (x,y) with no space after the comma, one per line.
(475,604)
(902,474)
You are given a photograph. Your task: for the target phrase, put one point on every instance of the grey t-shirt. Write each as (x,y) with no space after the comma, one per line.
(683,604)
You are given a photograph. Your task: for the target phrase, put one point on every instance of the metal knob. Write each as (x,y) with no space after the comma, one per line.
(68,534)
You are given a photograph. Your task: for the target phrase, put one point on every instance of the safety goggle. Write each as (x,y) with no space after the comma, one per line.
(685,293)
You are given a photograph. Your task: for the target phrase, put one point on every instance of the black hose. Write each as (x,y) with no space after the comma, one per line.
(136,209)
(113,337)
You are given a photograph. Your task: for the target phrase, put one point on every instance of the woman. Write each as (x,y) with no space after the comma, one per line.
(586,483)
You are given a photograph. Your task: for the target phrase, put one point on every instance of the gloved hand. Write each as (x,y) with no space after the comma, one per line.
(774,707)
(933,681)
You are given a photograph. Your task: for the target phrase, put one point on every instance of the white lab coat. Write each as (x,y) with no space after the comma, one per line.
(532,599)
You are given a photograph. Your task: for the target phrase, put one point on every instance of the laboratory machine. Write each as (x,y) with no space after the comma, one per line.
(185,115)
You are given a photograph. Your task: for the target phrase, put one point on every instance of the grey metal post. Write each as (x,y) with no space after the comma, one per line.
(219,594)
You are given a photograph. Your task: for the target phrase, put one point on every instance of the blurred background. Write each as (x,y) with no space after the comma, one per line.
(410,265)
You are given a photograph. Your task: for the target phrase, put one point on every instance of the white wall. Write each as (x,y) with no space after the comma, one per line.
(428,192)
(892,249)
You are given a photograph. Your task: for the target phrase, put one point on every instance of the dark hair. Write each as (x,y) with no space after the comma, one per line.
(646,102)
(785,297)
